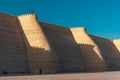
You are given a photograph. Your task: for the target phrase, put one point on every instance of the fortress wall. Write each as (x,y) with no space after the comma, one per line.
(110,52)
(27,45)
(91,52)
(13,58)
(40,55)
(67,50)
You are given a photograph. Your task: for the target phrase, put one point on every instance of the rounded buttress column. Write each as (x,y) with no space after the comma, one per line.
(91,53)
(40,55)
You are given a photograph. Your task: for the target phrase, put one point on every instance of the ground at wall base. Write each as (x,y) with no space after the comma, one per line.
(76,76)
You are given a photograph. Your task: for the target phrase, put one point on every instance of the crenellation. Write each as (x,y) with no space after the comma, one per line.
(27,15)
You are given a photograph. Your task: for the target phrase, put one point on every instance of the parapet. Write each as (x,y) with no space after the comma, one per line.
(26,16)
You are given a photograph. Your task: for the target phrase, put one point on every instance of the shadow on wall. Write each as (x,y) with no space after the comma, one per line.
(109,52)
(68,52)
(12,50)
(93,63)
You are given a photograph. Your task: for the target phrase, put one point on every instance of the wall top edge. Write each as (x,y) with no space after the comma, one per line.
(27,15)
(81,27)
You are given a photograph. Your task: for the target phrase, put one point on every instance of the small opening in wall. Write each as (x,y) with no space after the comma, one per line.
(40,71)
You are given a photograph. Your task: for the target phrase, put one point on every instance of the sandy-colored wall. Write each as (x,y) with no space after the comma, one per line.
(110,52)
(13,58)
(39,52)
(91,52)
(117,44)
(67,50)
(27,45)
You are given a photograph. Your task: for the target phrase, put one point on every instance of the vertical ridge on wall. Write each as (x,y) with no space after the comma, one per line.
(91,53)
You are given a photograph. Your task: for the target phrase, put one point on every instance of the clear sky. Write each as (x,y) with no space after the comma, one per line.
(100,17)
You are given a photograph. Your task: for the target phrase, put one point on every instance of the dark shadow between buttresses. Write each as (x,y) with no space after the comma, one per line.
(93,62)
(109,52)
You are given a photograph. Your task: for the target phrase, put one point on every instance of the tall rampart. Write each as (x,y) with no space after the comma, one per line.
(91,52)
(40,55)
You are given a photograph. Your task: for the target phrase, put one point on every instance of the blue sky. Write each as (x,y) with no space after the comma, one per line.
(100,17)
